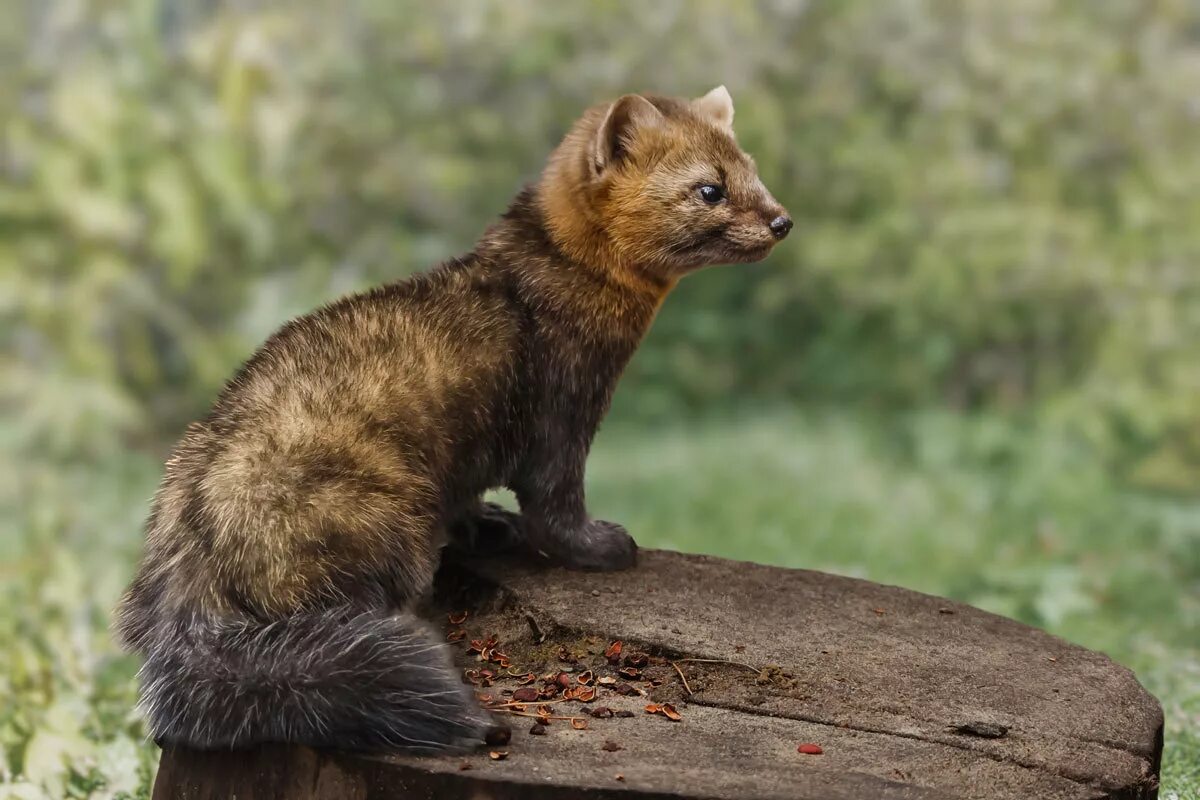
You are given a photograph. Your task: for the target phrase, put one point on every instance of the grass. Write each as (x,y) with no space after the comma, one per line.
(1017,521)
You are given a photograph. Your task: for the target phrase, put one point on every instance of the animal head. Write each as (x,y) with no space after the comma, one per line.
(659,186)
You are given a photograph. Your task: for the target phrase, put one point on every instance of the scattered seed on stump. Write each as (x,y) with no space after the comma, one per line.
(498,735)
(666,709)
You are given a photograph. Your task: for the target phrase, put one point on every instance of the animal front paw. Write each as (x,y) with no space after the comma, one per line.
(490,528)
(600,546)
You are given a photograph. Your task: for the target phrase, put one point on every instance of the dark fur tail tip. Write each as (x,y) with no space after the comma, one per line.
(367,682)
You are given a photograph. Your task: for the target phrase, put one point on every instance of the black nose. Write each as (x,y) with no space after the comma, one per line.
(780,226)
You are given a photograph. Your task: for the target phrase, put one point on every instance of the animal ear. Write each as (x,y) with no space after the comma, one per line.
(626,116)
(717,105)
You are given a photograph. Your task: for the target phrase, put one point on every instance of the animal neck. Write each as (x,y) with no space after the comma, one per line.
(569,272)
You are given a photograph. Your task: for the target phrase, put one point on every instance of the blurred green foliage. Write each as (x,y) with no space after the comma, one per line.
(997,203)
(998,236)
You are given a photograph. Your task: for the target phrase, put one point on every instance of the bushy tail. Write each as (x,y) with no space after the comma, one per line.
(331,679)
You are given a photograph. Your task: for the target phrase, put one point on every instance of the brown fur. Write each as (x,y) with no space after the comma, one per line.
(359,439)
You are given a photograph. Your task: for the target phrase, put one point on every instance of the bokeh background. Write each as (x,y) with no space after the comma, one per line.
(971,370)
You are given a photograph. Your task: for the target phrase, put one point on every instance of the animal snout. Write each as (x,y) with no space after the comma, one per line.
(780,226)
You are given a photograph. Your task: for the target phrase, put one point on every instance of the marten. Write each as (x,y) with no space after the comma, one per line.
(299,521)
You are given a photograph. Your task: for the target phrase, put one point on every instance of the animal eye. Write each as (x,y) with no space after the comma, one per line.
(711,194)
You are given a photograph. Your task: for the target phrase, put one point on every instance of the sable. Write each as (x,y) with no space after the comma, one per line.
(297,521)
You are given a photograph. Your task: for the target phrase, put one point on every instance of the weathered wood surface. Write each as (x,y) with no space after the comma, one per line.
(901,690)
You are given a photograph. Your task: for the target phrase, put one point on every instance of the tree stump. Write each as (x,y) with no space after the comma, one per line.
(906,695)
